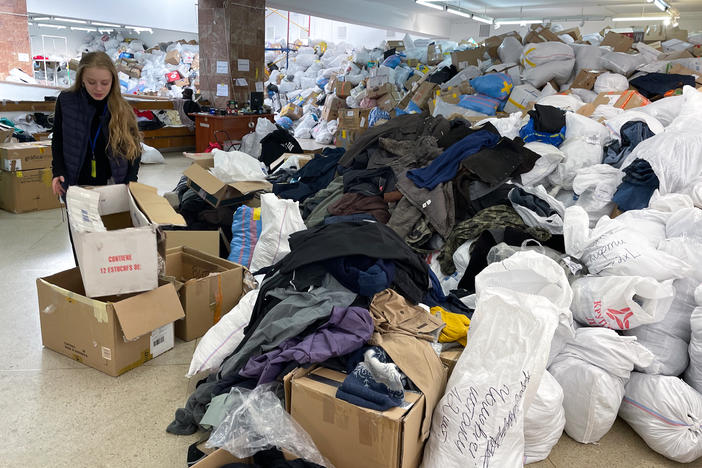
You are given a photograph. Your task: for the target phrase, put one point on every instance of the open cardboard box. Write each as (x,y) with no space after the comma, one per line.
(111,334)
(211,287)
(350,436)
(217,193)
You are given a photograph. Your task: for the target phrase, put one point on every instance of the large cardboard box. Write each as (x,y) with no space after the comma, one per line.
(434,54)
(573,32)
(292,111)
(675,33)
(397,45)
(345,137)
(23,191)
(23,156)
(220,458)
(114,240)
(332,104)
(619,42)
(354,118)
(540,33)
(204,241)
(462,58)
(585,79)
(382,90)
(423,94)
(450,357)
(342,89)
(389,101)
(172,57)
(350,436)
(111,334)
(217,193)
(211,287)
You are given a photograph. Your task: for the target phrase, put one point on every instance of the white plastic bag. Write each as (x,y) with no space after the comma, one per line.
(592,371)
(611,248)
(223,337)
(579,154)
(584,127)
(553,223)
(279,219)
(620,302)
(693,374)
(510,50)
(567,102)
(535,55)
(236,166)
(545,165)
(666,413)
(664,110)
(668,339)
(615,123)
(587,57)
(257,421)
(560,71)
(544,420)
(150,155)
(507,126)
(611,82)
(624,64)
(689,118)
(595,187)
(493,383)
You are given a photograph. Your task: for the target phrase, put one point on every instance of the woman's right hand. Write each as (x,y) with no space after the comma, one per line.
(56,185)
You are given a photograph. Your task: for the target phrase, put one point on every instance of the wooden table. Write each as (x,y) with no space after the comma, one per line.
(236,127)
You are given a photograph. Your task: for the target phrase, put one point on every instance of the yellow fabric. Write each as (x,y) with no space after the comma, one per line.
(456,327)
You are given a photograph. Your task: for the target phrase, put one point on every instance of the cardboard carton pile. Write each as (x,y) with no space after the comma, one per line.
(25,177)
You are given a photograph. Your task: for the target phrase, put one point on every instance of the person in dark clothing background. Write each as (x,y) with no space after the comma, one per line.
(96,140)
(190,106)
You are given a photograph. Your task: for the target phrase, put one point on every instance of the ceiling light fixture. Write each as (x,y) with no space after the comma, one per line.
(521,21)
(53,26)
(641,18)
(483,19)
(430,5)
(111,25)
(456,11)
(42,18)
(137,29)
(70,20)
(105,31)
(78,28)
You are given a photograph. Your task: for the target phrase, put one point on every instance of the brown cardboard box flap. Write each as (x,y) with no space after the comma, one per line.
(619,42)
(204,179)
(138,315)
(250,186)
(154,206)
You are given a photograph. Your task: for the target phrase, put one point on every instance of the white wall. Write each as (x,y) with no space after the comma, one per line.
(325,29)
(22,92)
(176,15)
(75,39)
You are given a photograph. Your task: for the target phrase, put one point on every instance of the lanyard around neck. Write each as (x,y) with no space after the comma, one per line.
(93,141)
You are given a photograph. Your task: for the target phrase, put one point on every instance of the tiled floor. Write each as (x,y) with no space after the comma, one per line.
(59,413)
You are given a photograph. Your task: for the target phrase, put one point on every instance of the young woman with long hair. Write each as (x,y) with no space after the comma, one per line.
(96,140)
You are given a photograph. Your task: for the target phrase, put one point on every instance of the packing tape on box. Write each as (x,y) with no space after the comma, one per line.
(99,308)
(216,300)
(366,432)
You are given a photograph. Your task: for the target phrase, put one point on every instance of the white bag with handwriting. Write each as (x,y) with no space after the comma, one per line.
(544,420)
(620,302)
(479,421)
(592,370)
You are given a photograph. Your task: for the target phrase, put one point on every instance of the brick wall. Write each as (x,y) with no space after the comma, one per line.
(14,36)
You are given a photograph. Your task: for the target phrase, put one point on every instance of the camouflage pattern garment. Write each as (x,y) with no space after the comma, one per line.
(494,217)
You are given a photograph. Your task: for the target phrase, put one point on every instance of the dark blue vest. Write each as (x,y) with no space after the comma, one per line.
(77,115)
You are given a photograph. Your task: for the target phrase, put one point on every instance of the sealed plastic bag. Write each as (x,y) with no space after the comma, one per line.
(595,187)
(567,102)
(479,420)
(544,420)
(258,422)
(246,227)
(611,248)
(552,223)
(510,50)
(664,110)
(584,127)
(579,154)
(621,63)
(592,371)
(545,165)
(236,166)
(610,82)
(620,302)
(479,103)
(223,337)
(560,71)
(150,155)
(507,126)
(693,374)
(494,85)
(587,57)
(666,413)
(279,219)
(668,339)
(535,55)
(689,118)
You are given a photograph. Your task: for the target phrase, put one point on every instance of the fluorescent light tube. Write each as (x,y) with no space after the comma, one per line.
(111,25)
(78,28)
(105,30)
(660,5)
(69,20)
(43,18)
(483,19)
(140,30)
(54,26)
(524,21)
(429,4)
(458,12)
(641,18)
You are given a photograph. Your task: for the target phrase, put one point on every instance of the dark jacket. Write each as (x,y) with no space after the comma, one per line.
(70,143)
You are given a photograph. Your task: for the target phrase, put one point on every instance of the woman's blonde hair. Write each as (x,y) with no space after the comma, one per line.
(124,138)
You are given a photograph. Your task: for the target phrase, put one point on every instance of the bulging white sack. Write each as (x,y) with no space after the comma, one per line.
(545,165)
(479,420)
(595,187)
(693,374)
(544,420)
(666,413)
(611,82)
(560,71)
(553,223)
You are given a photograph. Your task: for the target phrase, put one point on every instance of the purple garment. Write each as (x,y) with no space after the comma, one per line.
(347,330)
